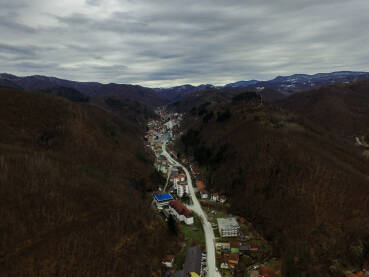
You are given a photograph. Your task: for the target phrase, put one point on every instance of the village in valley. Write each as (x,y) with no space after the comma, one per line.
(238,247)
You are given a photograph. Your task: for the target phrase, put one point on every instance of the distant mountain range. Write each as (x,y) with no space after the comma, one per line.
(92,90)
(302,82)
(282,84)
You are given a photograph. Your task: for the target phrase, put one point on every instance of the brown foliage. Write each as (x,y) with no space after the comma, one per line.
(305,190)
(68,205)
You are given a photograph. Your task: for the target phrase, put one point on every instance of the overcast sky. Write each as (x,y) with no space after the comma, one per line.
(162,43)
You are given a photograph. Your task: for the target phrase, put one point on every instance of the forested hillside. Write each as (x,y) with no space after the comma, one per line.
(305,189)
(342,109)
(75,191)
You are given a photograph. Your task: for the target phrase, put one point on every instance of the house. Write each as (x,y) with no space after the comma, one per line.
(224,264)
(204,194)
(162,199)
(222,247)
(168,261)
(176,181)
(182,177)
(173,172)
(235,246)
(181,212)
(222,199)
(228,227)
(182,189)
(229,260)
(214,197)
(245,249)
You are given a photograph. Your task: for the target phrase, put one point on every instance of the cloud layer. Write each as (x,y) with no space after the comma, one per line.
(172,42)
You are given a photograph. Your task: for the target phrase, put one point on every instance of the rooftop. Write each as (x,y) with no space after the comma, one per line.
(180,208)
(193,260)
(227,222)
(163,197)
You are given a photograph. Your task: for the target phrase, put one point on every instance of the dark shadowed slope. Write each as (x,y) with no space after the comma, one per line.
(75,192)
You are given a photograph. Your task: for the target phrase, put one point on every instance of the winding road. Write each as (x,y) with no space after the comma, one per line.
(196,207)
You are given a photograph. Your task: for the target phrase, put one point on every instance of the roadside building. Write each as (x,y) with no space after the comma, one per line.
(235,246)
(182,177)
(222,199)
(232,259)
(162,199)
(168,261)
(222,247)
(182,189)
(214,197)
(174,172)
(204,194)
(181,212)
(228,227)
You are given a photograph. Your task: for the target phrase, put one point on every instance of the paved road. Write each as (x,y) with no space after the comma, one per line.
(196,207)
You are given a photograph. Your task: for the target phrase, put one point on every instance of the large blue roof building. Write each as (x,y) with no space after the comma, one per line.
(162,199)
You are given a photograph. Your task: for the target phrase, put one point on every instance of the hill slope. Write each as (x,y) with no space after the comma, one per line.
(304,190)
(90,89)
(342,110)
(74,189)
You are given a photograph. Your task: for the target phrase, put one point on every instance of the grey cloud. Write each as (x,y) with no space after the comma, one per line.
(27,51)
(168,42)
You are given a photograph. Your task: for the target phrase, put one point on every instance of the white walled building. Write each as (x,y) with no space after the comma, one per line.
(181,212)
(228,227)
(204,194)
(182,189)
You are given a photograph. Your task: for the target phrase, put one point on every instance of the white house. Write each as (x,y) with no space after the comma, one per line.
(182,189)
(176,180)
(168,261)
(204,194)
(214,197)
(222,199)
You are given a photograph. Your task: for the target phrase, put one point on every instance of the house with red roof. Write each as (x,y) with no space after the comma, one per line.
(168,261)
(222,199)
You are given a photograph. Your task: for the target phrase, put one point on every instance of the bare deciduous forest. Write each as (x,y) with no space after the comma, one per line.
(75,196)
